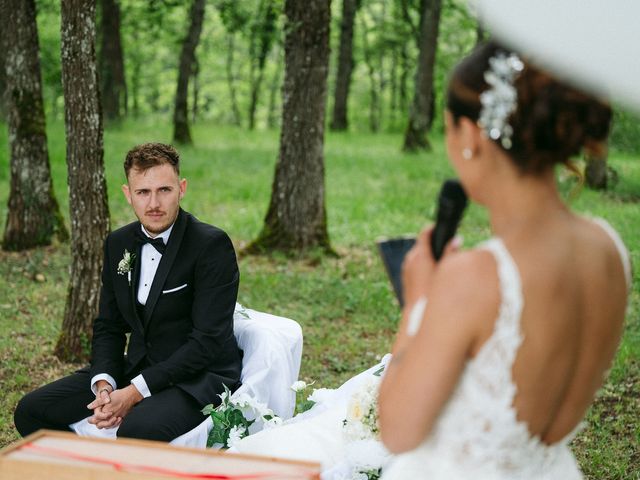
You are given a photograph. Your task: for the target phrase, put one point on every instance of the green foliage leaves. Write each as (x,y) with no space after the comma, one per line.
(234,15)
(223,422)
(226,417)
(625,132)
(385,53)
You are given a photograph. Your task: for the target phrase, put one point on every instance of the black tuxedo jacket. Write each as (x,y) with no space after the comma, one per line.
(183,336)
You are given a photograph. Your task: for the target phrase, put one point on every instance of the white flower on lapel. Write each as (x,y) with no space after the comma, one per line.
(126,264)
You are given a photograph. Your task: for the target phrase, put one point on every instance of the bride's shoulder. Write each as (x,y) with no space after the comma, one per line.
(467,282)
(601,240)
(475,267)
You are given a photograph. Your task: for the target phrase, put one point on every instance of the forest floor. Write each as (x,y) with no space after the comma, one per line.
(344,304)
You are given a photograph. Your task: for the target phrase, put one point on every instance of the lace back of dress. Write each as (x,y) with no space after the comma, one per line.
(478,434)
(496,357)
(493,435)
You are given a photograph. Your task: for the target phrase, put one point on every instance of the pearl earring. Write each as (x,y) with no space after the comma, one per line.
(467,154)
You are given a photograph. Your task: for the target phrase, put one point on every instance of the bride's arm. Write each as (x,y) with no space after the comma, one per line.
(463,302)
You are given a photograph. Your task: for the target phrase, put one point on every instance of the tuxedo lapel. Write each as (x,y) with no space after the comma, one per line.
(169,256)
(133,286)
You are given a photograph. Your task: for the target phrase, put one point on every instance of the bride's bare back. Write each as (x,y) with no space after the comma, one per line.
(574,289)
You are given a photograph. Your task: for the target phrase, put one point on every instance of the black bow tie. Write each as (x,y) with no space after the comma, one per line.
(157,242)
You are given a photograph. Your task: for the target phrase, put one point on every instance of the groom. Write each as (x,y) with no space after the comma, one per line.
(170,282)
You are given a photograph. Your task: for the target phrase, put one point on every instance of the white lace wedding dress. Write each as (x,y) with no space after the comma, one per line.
(478,435)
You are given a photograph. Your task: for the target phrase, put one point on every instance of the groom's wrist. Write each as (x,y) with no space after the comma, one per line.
(134,394)
(141,386)
(100,381)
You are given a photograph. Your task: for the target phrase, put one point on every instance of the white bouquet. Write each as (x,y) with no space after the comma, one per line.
(362,413)
(236,417)
(365,454)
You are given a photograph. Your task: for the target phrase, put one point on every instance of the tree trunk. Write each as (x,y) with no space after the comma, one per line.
(112,78)
(181,133)
(33,214)
(272,118)
(135,88)
(136,63)
(404,78)
(345,66)
(374,123)
(296,219)
(231,81)
(596,172)
(380,73)
(405,6)
(393,77)
(261,40)
(87,186)
(196,90)
(421,114)
(3,76)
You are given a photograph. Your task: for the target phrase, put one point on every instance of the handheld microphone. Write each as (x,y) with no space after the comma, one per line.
(451,204)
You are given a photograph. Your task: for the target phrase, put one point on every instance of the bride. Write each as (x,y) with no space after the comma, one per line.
(518,333)
(501,348)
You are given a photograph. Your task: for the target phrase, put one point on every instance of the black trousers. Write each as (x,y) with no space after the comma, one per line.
(162,416)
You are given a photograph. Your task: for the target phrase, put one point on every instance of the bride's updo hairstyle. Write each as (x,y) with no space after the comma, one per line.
(551,123)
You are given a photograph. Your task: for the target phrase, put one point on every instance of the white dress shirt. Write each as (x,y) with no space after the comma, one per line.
(149,261)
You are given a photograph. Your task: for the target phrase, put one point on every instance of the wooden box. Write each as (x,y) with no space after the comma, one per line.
(48,455)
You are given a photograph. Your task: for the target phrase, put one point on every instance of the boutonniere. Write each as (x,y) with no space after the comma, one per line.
(126,264)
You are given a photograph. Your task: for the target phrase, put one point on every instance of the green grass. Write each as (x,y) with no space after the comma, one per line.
(344,304)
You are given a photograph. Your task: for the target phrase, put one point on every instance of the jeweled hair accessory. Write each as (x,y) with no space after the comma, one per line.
(501,98)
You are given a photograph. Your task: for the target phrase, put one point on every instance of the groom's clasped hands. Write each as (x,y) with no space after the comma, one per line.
(111,406)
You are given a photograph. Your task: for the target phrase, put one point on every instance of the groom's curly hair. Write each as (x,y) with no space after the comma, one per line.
(143,157)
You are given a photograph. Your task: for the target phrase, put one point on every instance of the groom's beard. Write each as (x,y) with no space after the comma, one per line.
(161,221)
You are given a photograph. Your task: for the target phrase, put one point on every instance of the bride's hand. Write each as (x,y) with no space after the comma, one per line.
(419,265)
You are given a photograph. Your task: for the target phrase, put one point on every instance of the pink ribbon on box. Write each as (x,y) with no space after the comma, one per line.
(131,467)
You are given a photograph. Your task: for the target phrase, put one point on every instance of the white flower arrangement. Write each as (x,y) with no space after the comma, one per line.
(240,415)
(236,417)
(126,264)
(237,432)
(362,413)
(361,431)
